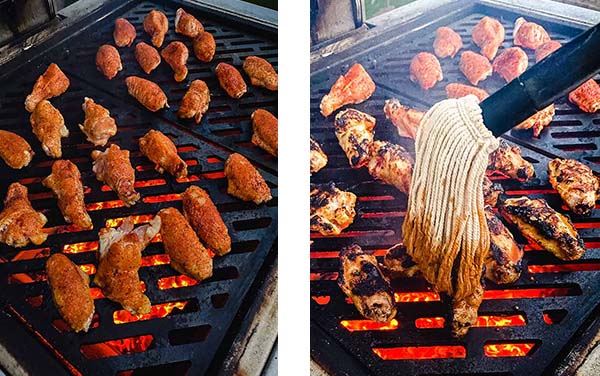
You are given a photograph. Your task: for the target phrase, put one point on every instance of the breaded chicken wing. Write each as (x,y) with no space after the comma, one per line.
(124,33)
(538,121)
(331,209)
(488,34)
(50,84)
(507,160)
(108,61)
(546,49)
(529,34)
(48,125)
(244,181)
(318,159)
(147,57)
(186,24)
(586,96)
(156,25)
(511,63)
(447,42)
(162,151)
(456,90)
(203,216)
(65,182)
(264,126)
(491,191)
(231,80)
(354,131)
(98,126)
(149,94)
(503,262)
(19,222)
(112,167)
(398,264)
(195,101)
(176,55)
(14,150)
(204,46)
(261,72)
(405,119)
(356,86)
(425,69)
(475,67)
(391,164)
(577,185)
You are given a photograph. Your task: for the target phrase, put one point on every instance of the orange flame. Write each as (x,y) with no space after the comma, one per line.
(213,160)
(117,347)
(563,268)
(327,276)
(507,349)
(137,219)
(189,178)
(214,175)
(430,322)
(156,311)
(176,282)
(542,292)
(414,297)
(336,254)
(186,148)
(321,300)
(162,198)
(32,254)
(104,205)
(88,269)
(494,321)
(162,259)
(80,247)
(421,352)
(362,325)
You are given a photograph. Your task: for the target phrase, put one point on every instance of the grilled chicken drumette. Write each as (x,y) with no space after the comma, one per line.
(475,67)
(231,80)
(361,279)
(261,72)
(447,42)
(50,84)
(186,24)
(456,90)
(538,121)
(188,256)
(65,182)
(264,127)
(398,264)
(529,34)
(14,150)
(405,119)
(195,101)
(149,94)
(162,151)
(49,127)
(577,185)
(98,126)
(491,191)
(71,293)
(354,131)
(204,46)
(176,55)
(124,33)
(203,216)
(156,25)
(538,222)
(147,57)
(511,63)
(244,181)
(108,61)
(331,209)
(586,96)
(425,69)
(546,49)
(391,164)
(508,161)
(356,86)
(503,263)
(19,222)
(318,159)
(120,255)
(113,168)
(488,34)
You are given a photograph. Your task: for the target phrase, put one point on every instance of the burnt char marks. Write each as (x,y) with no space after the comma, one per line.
(354,131)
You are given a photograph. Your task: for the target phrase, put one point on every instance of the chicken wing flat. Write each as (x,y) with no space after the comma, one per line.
(108,61)
(231,80)
(98,126)
(120,255)
(503,263)
(176,55)
(14,150)
(529,34)
(203,216)
(156,25)
(331,209)
(538,222)
(124,33)
(318,159)
(456,90)
(475,67)
(361,279)
(264,126)
(577,185)
(186,24)
(149,94)
(50,84)
(354,131)
(398,264)
(65,182)
(425,69)
(488,34)
(405,119)
(188,256)
(19,222)
(391,164)
(511,63)
(356,86)
(113,168)
(195,101)
(507,160)
(70,289)
(162,151)
(447,42)
(147,57)
(49,127)
(586,96)
(538,121)
(204,46)
(491,191)
(244,181)
(546,49)
(261,72)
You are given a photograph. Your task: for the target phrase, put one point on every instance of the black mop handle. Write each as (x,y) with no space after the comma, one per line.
(562,71)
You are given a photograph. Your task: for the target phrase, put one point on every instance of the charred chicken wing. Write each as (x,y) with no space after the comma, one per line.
(261,72)
(447,42)
(456,90)
(14,150)
(108,61)
(187,24)
(19,222)
(546,49)
(147,57)
(398,264)
(356,86)
(405,119)
(124,33)
(529,34)
(491,191)
(503,263)
(113,168)
(318,159)
(50,84)
(156,25)
(391,164)
(354,131)
(176,55)
(98,126)
(577,185)
(488,34)
(538,121)
(162,151)
(244,181)
(586,96)
(475,67)
(49,127)
(264,126)
(331,209)
(204,46)
(231,80)
(511,63)
(425,69)
(195,101)
(149,94)
(507,160)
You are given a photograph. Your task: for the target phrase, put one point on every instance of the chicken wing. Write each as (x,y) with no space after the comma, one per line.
(156,25)
(456,90)
(65,182)
(503,262)
(231,80)
(120,255)
(391,164)
(188,256)
(425,69)
(491,191)
(149,94)
(447,42)
(186,24)
(511,63)
(195,101)
(398,264)
(261,72)
(176,55)
(113,168)
(19,222)
(586,96)
(405,119)
(546,49)
(538,121)
(70,289)
(162,151)
(361,279)
(577,185)
(318,159)
(50,84)
(124,33)
(488,34)
(147,57)
(356,86)
(98,126)
(49,127)
(354,131)
(541,224)
(264,126)
(244,181)
(529,34)
(108,61)
(475,67)
(203,216)
(507,160)
(204,46)
(14,150)
(331,209)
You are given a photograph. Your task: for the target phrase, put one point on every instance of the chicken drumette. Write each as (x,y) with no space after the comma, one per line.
(507,160)
(447,42)
(354,131)
(264,126)
(50,84)
(108,61)
(261,72)
(331,209)
(356,86)
(318,159)
(475,67)
(586,96)
(204,46)
(19,222)
(391,164)
(14,150)
(149,94)
(49,127)
(176,55)
(488,34)
(405,119)
(113,168)
(538,121)
(156,25)
(491,191)
(147,57)
(231,80)
(244,181)
(456,90)
(124,33)
(398,264)
(577,185)
(529,34)
(511,63)
(425,69)
(186,24)
(503,262)
(98,126)
(162,151)
(195,101)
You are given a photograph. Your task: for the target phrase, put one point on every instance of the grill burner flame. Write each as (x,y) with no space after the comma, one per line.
(117,347)
(421,352)
(176,282)
(507,349)
(156,311)
(362,325)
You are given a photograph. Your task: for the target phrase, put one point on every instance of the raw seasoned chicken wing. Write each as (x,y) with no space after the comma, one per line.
(577,185)
(475,67)
(538,121)
(318,159)
(195,101)
(231,80)
(98,126)
(244,181)
(354,131)
(108,61)
(447,42)
(162,151)
(124,33)
(156,25)
(508,161)
(19,222)
(14,150)
(405,119)
(391,164)
(331,209)
(529,34)
(204,46)
(187,24)
(586,96)
(261,72)
(147,57)
(356,86)
(425,69)
(264,126)
(456,90)
(176,55)
(503,263)
(149,94)
(50,84)
(488,34)
(511,63)
(49,127)
(113,168)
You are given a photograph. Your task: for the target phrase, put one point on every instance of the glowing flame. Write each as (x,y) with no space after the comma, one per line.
(507,349)
(354,234)
(321,300)
(421,352)
(327,276)
(213,160)
(104,205)
(563,268)
(32,254)
(415,297)
(543,292)
(156,311)
(162,198)
(430,322)
(176,282)
(336,254)
(117,347)
(88,269)
(186,148)
(362,325)
(137,219)
(494,321)
(162,259)
(188,179)
(80,247)
(214,175)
